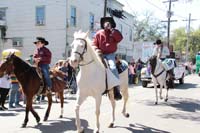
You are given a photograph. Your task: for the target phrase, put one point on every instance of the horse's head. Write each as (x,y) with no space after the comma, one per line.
(153,61)
(79,48)
(7,65)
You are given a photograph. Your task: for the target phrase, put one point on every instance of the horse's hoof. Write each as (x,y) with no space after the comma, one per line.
(111,125)
(45,119)
(166,100)
(60,116)
(82,131)
(156,103)
(23,125)
(38,120)
(127,115)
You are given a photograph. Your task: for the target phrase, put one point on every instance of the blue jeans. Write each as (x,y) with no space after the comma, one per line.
(111,62)
(14,94)
(45,71)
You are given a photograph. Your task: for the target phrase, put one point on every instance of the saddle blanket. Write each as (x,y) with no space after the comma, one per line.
(168,63)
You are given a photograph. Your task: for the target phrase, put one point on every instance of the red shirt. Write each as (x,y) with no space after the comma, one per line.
(107,40)
(45,55)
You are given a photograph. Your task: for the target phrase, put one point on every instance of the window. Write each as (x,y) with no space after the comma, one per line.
(130,35)
(73,16)
(3,14)
(40,15)
(17,42)
(91,21)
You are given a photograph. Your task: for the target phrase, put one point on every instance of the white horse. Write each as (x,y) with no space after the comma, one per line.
(91,78)
(159,76)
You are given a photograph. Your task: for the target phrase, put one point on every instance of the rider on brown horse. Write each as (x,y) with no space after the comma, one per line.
(42,57)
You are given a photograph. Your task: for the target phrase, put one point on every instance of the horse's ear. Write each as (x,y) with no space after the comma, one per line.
(11,54)
(75,34)
(86,34)
(80,31)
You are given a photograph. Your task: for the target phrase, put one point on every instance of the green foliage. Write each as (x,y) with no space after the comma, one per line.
(179,40)
(148,28)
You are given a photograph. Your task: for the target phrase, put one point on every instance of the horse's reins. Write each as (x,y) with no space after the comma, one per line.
(84,51)
(157,75)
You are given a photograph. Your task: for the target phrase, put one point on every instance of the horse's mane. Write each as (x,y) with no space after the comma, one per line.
(153,62)
(20,62)
(22,66)
(90,47)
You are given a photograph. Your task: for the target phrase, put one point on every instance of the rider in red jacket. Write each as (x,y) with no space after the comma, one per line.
(105,42)
(42,57)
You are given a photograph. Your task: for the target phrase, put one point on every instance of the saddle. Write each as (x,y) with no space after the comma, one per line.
(121,67)
(57,78)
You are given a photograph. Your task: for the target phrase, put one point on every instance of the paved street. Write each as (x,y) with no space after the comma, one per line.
(181,114)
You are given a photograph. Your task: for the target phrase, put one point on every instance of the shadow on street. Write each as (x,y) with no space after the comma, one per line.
(182,104)
(6,114)
(185,104)
(139,128)
(62,125)
(185,86)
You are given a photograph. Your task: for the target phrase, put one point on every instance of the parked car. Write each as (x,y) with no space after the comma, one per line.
(179,72)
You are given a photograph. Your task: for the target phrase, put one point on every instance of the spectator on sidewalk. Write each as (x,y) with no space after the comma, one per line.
(132,72)
(14,94)
(4,89)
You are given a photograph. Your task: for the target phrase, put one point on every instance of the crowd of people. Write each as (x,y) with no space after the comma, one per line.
(134,69)
(9,85)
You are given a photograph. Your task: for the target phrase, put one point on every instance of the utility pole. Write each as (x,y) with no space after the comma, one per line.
(169,14)
(105,8)
(188,35)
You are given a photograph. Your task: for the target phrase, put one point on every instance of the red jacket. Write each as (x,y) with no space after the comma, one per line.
(45,55)
(107,41)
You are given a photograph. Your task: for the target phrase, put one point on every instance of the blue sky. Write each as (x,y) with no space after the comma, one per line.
(181,9)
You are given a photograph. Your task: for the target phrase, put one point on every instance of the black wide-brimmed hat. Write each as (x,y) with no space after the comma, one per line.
(158,42)
(108,19)
(42,40)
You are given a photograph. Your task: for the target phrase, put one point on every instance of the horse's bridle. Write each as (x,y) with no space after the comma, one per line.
(84,51)
(157,75)
(25,71)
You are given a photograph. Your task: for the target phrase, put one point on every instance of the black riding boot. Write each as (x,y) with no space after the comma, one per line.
(117,94)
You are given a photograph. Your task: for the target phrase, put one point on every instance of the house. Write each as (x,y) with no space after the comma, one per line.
(21,21)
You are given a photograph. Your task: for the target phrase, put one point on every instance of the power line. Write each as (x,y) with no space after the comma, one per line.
(154,5)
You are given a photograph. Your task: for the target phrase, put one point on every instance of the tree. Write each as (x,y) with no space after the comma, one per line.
(148,28)
(179,39)
(194,46)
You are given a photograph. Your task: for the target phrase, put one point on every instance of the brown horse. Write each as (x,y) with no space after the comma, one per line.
(30,82)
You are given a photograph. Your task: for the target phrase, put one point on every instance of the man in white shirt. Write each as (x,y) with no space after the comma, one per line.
(160,50)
